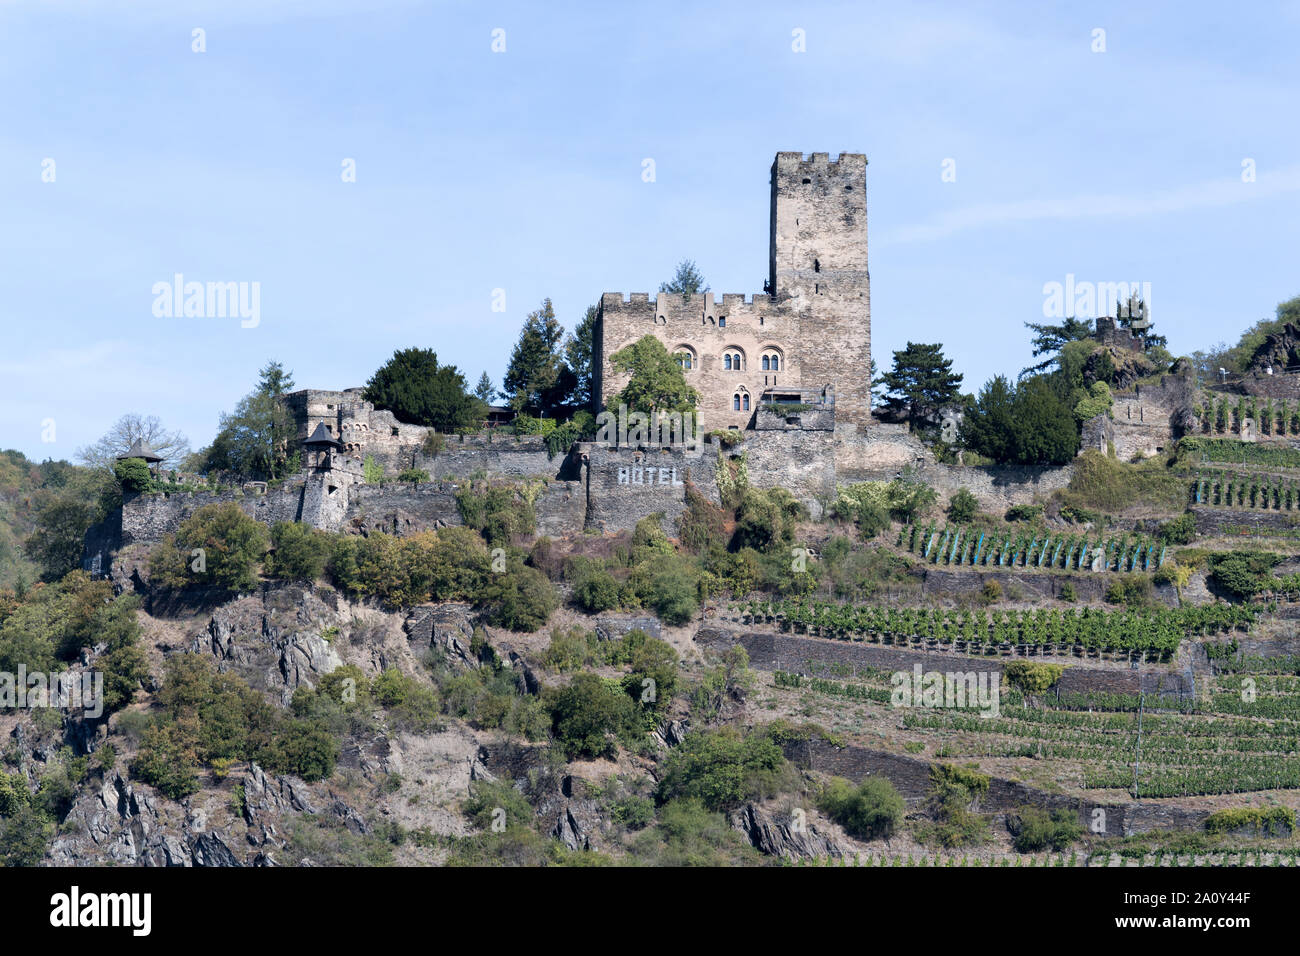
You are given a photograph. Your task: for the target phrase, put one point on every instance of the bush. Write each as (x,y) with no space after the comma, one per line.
(1032,677)
(766,519)
(413,474)
(596,591)
(590,715)
(1133,590)
(412,705)
(372,471)
(499,511)
(1024,513)
(1035,829)
(1068,593)
(962,506)
(1265,821)
(991,592)
(133,474)
(520,598)
(217,546)
(300,552)
(1180,530)
(722,769)
(1242,573)
(870,811)
(1103,484)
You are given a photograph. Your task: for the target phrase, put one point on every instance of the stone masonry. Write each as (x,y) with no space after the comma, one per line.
(809,335)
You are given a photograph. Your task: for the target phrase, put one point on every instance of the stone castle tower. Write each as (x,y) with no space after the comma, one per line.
(806,339)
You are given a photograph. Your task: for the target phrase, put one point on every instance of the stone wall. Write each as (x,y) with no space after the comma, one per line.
(911,778)
(822,657)
(625,485)
(1235,521)
(997,487)
(815,319)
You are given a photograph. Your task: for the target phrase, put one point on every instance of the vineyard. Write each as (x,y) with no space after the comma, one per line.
(1243,736)
(975,547)
(1224,489)
(1155,633)
(1228,451)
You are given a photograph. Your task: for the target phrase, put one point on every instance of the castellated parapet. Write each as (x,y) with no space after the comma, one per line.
(809,335)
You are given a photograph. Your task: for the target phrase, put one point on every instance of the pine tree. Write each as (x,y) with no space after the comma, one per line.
(537,380)
(921,382)
(579,356)
(687,280)
(485,391)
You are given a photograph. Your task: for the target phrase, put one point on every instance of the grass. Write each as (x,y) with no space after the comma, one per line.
(1105,484)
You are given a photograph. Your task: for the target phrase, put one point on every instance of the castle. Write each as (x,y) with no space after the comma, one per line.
(805,341)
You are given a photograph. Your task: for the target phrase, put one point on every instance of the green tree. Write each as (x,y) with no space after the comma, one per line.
(579,355)
(656,383)
(537,381)
(57,541)
(229,546)
(485,391)
(1044,428)
(416,389)
(253,440)
(686,281)
(1049,340)
(921,382)
(589,715)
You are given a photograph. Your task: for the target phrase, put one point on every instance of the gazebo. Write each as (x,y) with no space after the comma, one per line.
(320,444)
(142,449)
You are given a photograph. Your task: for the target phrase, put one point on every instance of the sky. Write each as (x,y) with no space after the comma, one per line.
(1009,145)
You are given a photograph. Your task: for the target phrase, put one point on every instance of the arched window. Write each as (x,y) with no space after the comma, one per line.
(733,360)
(766,367)
(685,357)
(726,361)
(735,402)
(771,359)
(744,399)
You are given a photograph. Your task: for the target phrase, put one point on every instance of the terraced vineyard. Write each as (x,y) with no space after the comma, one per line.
(976,547)
(1224,742)
(1153,634)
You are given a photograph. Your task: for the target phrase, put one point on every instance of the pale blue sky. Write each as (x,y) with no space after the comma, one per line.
(522,171)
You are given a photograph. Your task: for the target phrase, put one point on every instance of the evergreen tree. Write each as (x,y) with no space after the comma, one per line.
(687,280)
(987,426)
(579,356)
(416,389)
(921,382)
(1049,339)
(253,440)
(485,391)
(537,380)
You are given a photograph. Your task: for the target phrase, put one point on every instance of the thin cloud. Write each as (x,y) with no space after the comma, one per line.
(1218,192)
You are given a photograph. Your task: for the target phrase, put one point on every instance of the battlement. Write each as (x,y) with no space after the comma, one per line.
(612,301)
(849,161)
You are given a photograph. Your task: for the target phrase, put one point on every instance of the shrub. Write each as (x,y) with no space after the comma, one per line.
(596,591)
(992,591)
(520,598)
(1068,593)
(372,471)
(1133,590)
(766,519)
(217,546)
(413,474)
(499,511)
(962,506)
(1112,487)
(300,551)
(1032,677)
(1034,829)
(1242,573)
(1024,513)
(412,705)
(1265,821)
(1180,530)
(721,768)
(590,715)
(133,474)
(870,811)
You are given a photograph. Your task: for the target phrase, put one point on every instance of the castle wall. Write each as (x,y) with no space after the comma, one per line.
(709,328)
(624,486)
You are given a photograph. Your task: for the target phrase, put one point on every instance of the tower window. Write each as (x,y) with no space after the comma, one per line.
(744,401)
(722,321)
(735,402)
(817,266)
(765,364)
(807,181)
(732,362)
(726,362)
